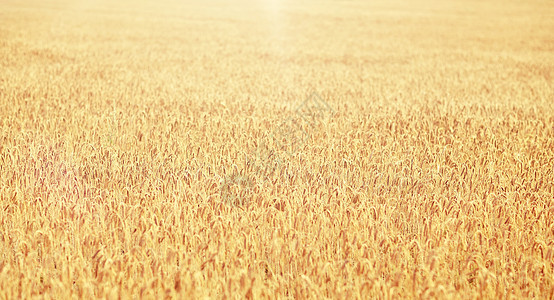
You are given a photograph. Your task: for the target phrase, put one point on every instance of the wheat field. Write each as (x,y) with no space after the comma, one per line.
(277,149)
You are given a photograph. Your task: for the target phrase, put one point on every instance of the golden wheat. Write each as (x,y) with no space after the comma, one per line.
(156,149)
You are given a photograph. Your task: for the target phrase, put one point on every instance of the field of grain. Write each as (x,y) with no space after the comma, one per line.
(277,149)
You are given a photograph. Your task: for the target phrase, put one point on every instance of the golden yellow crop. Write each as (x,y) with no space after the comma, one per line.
(277,149)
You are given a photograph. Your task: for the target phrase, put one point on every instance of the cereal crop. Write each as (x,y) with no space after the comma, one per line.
(277,149)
